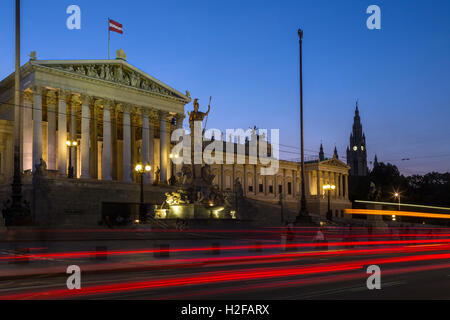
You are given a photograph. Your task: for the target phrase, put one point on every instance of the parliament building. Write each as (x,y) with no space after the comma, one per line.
(101,117)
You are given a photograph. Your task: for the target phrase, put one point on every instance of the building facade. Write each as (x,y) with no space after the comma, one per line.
(118,116)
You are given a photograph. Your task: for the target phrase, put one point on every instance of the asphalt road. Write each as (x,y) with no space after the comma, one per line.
(289,279)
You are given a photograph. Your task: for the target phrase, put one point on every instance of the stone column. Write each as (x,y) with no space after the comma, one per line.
(85,136)
(294,183)
(151,145)
(126,158)
(255,179)
(319,192)
(164,148)
(114,152)
(346,186)
(51,129)
(145,141)
(37,126)
(27,129)
(62,133)
(106,150)
(75,102)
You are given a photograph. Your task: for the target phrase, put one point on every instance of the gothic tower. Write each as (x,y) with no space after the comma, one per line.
(357,153)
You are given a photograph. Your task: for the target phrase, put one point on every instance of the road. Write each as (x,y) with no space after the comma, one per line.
(408,271)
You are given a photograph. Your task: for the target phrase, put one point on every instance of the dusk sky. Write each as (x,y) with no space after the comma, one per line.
(245,55)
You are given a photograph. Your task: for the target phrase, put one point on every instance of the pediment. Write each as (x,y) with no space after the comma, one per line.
(335,163)
(115,71)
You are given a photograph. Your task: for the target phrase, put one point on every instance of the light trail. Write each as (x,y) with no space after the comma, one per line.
(65,255)
(397,213)
(403,204)
(219,277)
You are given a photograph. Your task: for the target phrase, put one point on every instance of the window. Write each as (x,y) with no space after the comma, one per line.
(342,213)
(289,188)
(280,188)
(270,189)
(250,188)
(261,187)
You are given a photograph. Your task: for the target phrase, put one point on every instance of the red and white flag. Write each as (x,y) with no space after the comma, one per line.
(115,26)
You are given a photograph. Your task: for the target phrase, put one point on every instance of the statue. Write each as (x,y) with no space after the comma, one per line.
(198,115)
(158,171)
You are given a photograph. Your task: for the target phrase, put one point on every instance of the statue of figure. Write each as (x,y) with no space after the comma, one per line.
(197,115)
(102,71)
(207,176)
(41,168)
(158,171)
(238,188)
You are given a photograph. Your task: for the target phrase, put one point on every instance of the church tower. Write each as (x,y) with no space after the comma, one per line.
(356,152)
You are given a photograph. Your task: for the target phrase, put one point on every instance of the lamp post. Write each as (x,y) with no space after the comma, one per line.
(328,188)
(172,175)
(70,144)
(303,214)
(141,170)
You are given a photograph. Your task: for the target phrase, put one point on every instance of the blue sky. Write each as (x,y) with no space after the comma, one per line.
(245,54)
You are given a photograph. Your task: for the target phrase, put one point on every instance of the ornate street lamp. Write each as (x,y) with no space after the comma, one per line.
(71,144)
(328,188)
(142,169)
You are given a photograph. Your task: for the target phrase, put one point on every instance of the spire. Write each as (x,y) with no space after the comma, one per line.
(335,154)
(321,154)
(375,161)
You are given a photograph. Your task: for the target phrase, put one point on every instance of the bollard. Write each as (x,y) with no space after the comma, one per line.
(163,251)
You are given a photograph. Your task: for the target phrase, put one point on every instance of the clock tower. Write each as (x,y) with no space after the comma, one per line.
(356,152)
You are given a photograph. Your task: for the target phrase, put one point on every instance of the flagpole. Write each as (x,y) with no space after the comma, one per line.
(109,39)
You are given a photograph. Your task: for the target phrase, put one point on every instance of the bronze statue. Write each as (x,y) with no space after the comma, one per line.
(198,115)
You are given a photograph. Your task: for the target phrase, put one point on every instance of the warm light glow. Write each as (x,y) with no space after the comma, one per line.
(171,156)
(71,143)
(398,213)
(138,167)
(396,194)
(404,204)
(136,221)
(329,187)
(148,168)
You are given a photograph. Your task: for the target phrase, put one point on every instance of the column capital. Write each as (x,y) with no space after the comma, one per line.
(27,96)
(86,99)
(37,89)
(75,99)
(124,107)
(144,111)
(64,94)
(51,98)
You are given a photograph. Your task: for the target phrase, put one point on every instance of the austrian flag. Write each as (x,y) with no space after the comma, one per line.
(115,26)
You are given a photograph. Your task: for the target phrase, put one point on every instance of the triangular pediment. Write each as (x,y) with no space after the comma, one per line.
(114,71)
(334,162)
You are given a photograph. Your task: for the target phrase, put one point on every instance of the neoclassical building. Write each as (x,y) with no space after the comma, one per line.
(116,113)
(118,116)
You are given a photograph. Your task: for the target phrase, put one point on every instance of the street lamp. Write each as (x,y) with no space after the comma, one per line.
(329,187)
(142,169)
(397,195)
(71,144)
(172,176)
(303,214)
